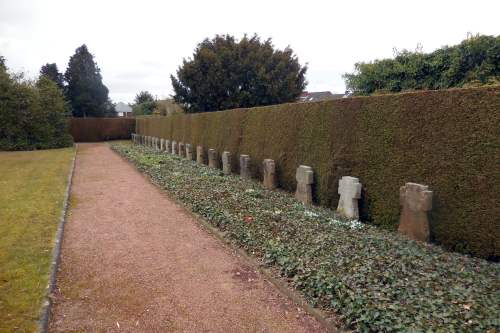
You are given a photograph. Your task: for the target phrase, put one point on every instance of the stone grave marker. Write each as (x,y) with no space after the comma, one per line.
(269,171)
(245,166)
(350,192)
(305,178)
(199,155)
(416,201)
(182,149)
(168,146)
(226,163)
(189,151)
(213,161)
(174,147)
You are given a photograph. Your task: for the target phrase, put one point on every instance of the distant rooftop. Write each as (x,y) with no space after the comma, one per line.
(316,96)
(122,107)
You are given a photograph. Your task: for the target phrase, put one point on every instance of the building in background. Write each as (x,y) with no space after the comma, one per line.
(317,96)
(123,110)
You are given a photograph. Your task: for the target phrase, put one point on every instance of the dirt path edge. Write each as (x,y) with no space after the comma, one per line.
(43,324)
(281,286)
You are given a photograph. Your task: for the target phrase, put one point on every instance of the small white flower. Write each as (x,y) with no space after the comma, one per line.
(353,224)
(308,213)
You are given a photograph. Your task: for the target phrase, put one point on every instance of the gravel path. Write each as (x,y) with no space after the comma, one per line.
(134,261)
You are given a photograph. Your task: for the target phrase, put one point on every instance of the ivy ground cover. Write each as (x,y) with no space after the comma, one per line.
(373,279)
(32,188)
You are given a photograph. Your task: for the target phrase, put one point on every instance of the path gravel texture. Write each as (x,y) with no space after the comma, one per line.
(134,261)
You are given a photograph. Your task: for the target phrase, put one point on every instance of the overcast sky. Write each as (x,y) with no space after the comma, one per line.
(138,44)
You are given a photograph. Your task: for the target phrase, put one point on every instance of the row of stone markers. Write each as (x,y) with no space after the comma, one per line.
(415,199)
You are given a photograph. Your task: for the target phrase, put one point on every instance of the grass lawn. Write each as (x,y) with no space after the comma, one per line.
(32,187)
(375,280)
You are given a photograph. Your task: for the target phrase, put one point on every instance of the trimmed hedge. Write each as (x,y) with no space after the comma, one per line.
(101,129)
(446,139)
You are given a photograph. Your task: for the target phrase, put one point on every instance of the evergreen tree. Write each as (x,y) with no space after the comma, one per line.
(51,71)
(225,73)
(87,95)
(143,96)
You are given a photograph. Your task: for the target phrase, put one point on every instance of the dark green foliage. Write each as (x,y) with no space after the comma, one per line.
(86,93)
(474,62)
(225,73)
(375,280)
(54,114)
(109,109)
(32,116)
(143,97)
(143,109)
(144,105)
(51,71)
(101,129)
(446,139)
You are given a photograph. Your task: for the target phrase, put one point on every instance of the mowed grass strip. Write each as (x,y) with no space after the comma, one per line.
(375,280)
(32,188)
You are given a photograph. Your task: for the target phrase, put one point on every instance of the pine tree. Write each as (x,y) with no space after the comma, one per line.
(52,72)
(87,95)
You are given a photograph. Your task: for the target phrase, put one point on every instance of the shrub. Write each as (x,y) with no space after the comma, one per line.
(144,109)
(473,62)
(32,115)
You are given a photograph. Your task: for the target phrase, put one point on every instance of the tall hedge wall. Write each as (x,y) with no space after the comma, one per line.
(449,140)
(101,129)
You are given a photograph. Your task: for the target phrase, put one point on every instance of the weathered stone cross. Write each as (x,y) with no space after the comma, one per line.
(350,192)
(416,201)
(305,178)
